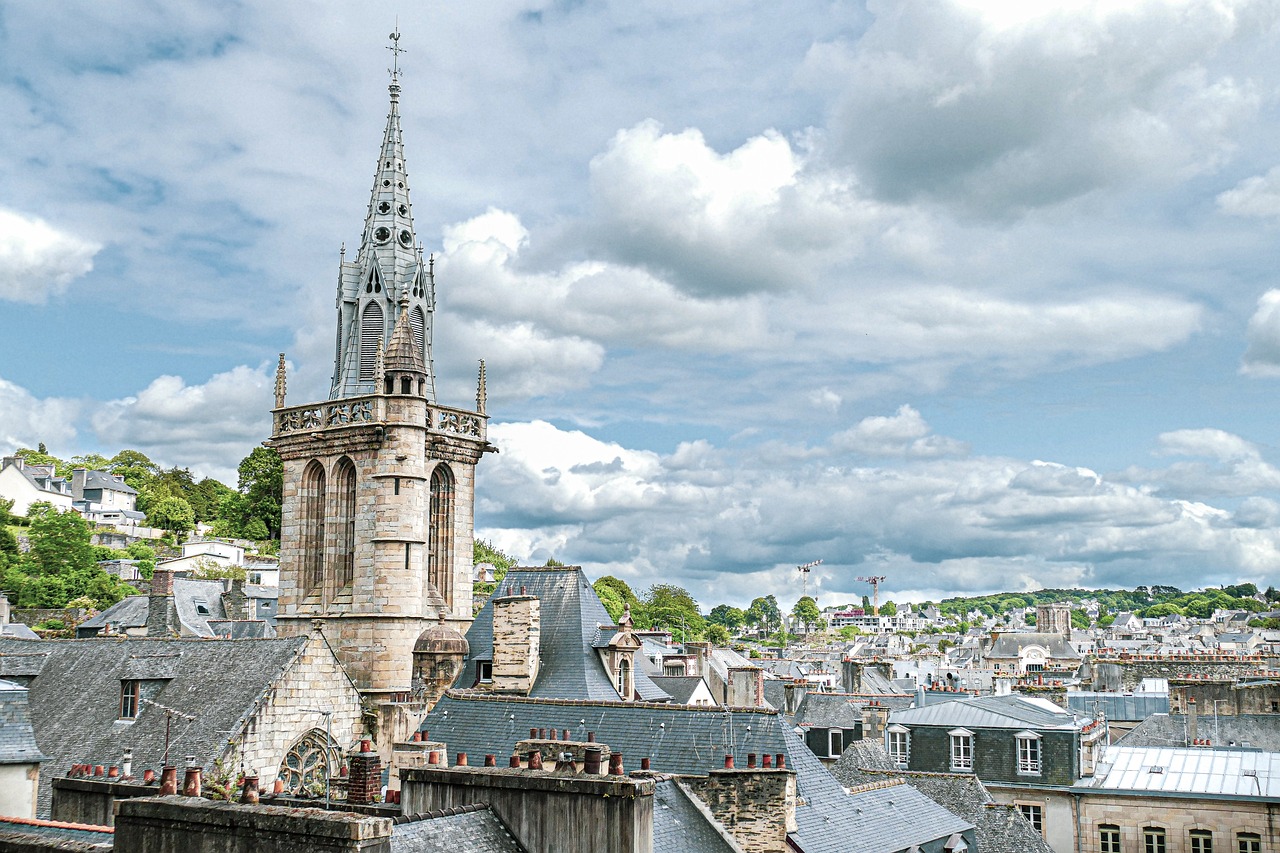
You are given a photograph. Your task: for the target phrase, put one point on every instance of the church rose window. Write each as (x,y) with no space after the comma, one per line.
(308,763)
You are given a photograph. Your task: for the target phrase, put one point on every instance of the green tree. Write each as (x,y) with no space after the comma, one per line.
(888,609)
(672,606)
(8,541)
(145,555)
(1080,619)
(764,613)
(718,635)
(92,461)
(138,471)
(206,497)
(728,616)
(483,551)
(172,514)
(262,484)
(41,457)
(615,594)
(806,613)
(60,542)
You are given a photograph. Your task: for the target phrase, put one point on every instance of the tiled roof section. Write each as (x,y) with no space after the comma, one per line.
(191,597)
(987,712)
(17,739)
(679,687)
(75,700)
(1010,645)
(1261,731)
(860,755)
(681,739)
(571,614)
(682,825)
(895,817)
(25,659)
(130,612)
(103,480)
(73,836)
(468,829)
(828,710)
(1000,829)
(17,629)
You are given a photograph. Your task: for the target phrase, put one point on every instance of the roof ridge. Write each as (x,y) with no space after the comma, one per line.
(472,695)
(439,813)
(876,786)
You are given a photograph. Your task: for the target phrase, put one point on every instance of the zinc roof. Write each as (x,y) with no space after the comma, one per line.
(987,712)
(1229,772)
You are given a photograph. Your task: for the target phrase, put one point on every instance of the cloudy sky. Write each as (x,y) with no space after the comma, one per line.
(959,293)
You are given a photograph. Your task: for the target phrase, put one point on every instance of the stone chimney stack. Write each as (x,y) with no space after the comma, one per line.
(1192,734)
(699,653)
(162,613)
(517,630)
(756,804)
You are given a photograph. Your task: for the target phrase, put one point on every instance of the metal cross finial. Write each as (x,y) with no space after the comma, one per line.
(396,50)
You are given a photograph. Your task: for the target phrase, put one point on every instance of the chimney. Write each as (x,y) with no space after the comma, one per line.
(1191,718)
(4,609)
(757,805)
(364,778)
(516,642)
(162,614)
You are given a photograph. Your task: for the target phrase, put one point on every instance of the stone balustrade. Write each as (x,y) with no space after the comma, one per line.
(335,414)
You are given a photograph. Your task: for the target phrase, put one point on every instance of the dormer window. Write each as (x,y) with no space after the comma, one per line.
(129,699)
(961,750)
(202,607)
(624,683)
(1028,753)
(484,671)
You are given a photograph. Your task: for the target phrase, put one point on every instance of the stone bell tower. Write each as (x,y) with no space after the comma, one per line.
(379,480)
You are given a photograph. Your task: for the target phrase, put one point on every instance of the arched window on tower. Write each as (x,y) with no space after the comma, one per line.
(371,333)
(344,558)
(624,679)
(440,556)
(313,514)
(418,325)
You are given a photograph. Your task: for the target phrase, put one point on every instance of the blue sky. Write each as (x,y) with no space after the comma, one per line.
(974,295)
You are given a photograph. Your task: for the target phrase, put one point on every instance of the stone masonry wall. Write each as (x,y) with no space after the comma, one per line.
(756,806)
(191,825)
(1177,816)
(315,681)
(516,642)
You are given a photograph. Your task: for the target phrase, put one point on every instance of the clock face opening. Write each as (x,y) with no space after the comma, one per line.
(382,234)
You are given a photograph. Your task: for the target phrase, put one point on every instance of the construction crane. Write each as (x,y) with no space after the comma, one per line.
(804,575)
(875,581)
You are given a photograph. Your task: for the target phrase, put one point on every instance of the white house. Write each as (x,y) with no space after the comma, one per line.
(25,484)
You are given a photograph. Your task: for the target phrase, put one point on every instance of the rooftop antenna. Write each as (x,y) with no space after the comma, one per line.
(169,714)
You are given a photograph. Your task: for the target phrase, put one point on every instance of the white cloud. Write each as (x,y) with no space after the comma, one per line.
(37,260)
(1227,465)
(999,112)
(1262,356)
(902,434)
(26,420)
(1258,196)
(208,428)
(758,218)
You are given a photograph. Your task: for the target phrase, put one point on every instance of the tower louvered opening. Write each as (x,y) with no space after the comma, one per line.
(371,332)
(417,324)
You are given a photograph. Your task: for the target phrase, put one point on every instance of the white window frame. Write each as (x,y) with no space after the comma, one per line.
(961,749)
(1109,838)
(1034,813)
(1248,842)
(1155,839)
(899,745)
(1029,753)
(832,735)
(1200,841)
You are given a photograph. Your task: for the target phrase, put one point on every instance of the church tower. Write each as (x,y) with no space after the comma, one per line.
(379,480)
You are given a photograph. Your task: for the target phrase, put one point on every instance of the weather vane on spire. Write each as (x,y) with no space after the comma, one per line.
(396,50)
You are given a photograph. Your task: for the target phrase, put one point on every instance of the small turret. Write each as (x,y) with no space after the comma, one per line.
(404,371)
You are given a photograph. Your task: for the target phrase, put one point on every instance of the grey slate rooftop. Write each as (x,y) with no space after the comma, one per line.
(679,687)
(75,695)
(572,617)
(681,823)
(465,829)
(693,740)
(1010,644)
(1260,731)
(17,738)
(988,712)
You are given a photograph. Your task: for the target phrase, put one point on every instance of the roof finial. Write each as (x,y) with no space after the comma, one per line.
(379,368)
(482,394)
(280,383)
(396,50)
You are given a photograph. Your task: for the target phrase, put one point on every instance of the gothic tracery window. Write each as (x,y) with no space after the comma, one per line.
(345,520)
(440,557)
(313,515)
(308,763)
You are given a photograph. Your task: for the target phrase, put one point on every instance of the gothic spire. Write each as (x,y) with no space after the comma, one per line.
(388,227)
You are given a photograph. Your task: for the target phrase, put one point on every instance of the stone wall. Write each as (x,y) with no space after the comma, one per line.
(1228,696)
(315,681)
(1177,816)
(546,812)
(517,621)
(93,801)
(19,783)
(757,806)
(1125,672)
(190,825)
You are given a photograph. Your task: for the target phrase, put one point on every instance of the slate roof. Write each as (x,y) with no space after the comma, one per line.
(988,712)
(681,824)
(1011,645)
(75,699)
(893,817)
(17,739)
(693,740)
(103,480)
(1261,731)
(571,614)
(129,612)
(679,687)
(1000,828)
(828,710)
(464,829)
(25,834)
(18,630)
